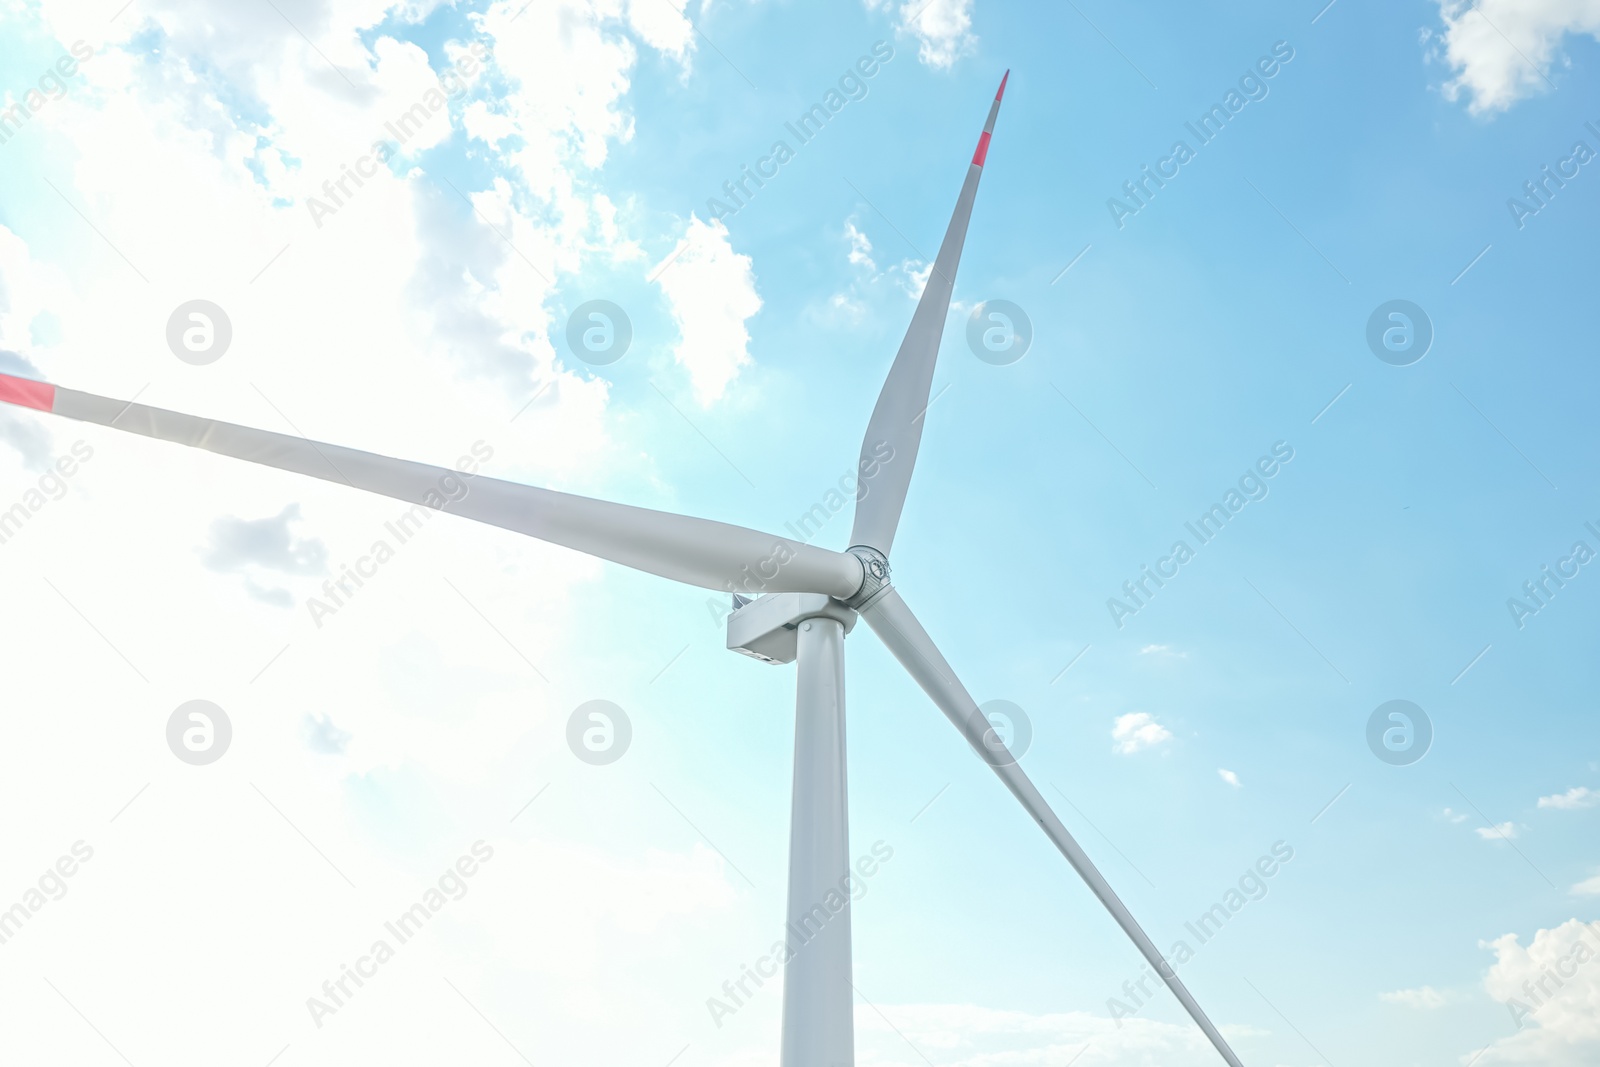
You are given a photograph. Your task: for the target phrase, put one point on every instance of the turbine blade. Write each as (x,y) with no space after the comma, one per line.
(894,433)
(893,621)
(699,552)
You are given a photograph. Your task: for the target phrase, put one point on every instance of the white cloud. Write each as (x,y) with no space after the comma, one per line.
(321,735)
(406,325)
(249,547)
(869,287)
(1137,730)
(569,74)
(267,542)
(1503,832)
(913,276)
(1551,988)
(1588,887)
(1503,50)
(848,305)
(860,254)
(1454,816)
(1572,799)
(664,26)
(841,309)
(943,28)
(1229,777)
(712,294)
(1426,998)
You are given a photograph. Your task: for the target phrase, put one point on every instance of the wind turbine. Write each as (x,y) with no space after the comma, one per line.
(813,597)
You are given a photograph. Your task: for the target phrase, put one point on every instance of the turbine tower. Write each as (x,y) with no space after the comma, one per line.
(811,598)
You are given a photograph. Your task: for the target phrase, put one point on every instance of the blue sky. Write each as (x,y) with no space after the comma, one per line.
(1227,317)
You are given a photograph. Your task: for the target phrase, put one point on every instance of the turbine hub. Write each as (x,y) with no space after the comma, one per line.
(874,576)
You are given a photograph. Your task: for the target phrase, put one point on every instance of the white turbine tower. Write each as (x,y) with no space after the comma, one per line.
(813,598)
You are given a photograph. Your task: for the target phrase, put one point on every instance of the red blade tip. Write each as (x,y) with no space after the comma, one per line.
(1002,90)
(27,393)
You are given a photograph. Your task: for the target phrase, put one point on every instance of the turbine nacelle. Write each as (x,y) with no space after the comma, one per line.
(767,627)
